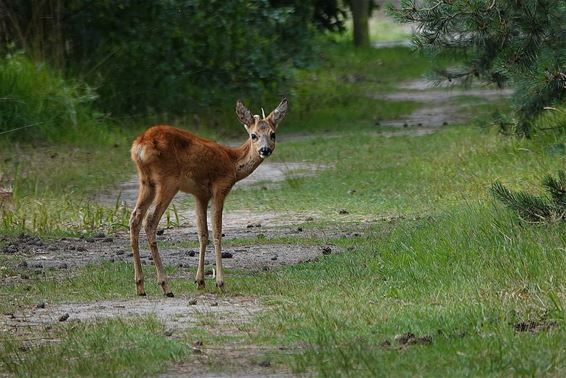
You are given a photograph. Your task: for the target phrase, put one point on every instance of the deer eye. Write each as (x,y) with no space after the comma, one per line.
(254,137)
(273,136)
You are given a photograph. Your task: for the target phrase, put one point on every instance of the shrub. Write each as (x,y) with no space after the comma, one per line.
(178,56)
(37,103)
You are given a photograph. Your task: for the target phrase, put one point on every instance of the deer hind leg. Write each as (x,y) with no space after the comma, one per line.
(202,228)
(165,192)
(145,196)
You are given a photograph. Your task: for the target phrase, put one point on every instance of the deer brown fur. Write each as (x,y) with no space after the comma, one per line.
(169,160)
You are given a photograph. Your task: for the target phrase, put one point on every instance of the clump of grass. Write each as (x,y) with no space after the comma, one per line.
(169,222)
(104,349)
(61,216)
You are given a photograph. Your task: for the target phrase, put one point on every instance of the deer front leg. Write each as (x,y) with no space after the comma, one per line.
(217,234)
(202,229)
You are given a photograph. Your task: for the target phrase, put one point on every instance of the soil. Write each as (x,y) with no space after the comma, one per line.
(440,106)
(64,253)
(76,252)
(220,316)
(177,314)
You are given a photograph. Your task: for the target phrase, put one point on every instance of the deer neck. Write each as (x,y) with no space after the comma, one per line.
(245,160)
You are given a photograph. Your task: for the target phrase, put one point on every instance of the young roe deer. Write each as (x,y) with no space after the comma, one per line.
(169,160)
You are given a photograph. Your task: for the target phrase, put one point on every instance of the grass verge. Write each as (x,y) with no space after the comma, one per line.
(469,292)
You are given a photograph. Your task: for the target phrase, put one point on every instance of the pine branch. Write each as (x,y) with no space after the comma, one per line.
(557,188)
(529,207)
(522,43)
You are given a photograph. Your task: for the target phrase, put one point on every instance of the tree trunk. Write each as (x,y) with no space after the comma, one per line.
(360,15)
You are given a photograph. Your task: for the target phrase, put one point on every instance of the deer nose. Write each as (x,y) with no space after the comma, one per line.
(265,151)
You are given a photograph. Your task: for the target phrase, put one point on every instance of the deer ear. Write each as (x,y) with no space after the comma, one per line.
(244,115)
(279,113)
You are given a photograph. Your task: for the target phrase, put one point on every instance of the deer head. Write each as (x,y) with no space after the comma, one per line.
(262,129)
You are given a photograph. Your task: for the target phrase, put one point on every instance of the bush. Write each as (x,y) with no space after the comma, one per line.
(36,103)
(170,57)
(178,56)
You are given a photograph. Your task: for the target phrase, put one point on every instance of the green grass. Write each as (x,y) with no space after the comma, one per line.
(54,184)
(409,175)
(337,96)
(53,187)
(108,348)
(37,103)
(92,283)
(464,278)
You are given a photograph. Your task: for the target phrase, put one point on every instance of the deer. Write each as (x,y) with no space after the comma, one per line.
(169,160)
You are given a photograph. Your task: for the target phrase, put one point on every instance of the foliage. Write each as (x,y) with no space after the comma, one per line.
(536,208)
(329,15)
(517,43)
(170,55)
(37,103)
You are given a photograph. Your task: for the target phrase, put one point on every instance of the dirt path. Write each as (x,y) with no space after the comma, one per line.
(442,105)
(176,314)
(66,253)
(219,316)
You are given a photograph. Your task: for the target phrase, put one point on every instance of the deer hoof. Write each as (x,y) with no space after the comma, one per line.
(170,295)
(220,284)
(200,284)
(143,294)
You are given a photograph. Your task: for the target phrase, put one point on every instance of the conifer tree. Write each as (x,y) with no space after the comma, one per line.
(517,43)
